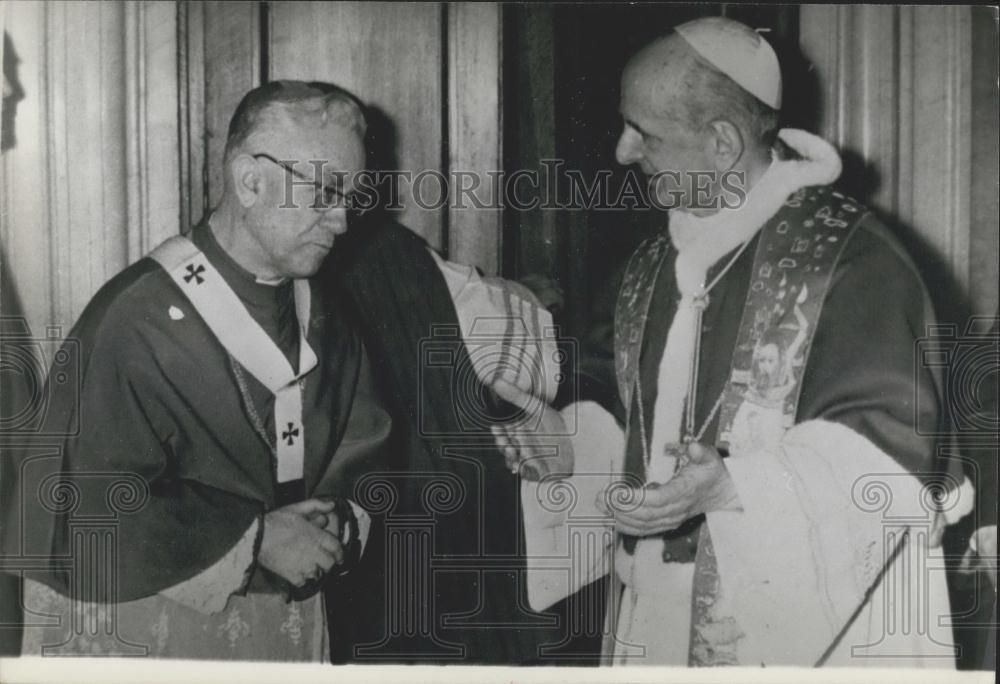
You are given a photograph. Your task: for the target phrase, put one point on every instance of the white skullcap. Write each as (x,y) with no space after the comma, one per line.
(739,52)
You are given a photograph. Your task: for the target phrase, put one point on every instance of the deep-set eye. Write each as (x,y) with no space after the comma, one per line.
(329,197)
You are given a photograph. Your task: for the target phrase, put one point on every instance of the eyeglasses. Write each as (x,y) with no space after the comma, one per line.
(327,196)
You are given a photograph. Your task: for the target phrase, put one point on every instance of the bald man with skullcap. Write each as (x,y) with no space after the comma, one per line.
(770,482)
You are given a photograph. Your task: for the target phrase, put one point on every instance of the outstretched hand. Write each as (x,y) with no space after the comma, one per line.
(982,554)
(701,485)
(538,446)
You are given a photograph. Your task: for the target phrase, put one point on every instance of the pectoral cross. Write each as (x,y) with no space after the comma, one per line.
(290,434)
(195,273)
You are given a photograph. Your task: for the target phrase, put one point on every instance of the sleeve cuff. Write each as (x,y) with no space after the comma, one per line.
(355,524)
(358,532)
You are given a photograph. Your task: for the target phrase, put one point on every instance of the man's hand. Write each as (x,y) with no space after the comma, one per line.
(541,451)
(982,554)
(298,544)
(701,485)
(326,520)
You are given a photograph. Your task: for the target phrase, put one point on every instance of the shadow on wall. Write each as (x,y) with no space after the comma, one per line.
(802,107)
(11,614)
(802,95)
(381,143)
(12,94)
(862,180)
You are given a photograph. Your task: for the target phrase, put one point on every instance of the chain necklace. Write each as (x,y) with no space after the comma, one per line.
(700,303)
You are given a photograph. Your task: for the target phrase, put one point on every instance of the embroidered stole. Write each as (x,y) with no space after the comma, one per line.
(246,341)
(631,312)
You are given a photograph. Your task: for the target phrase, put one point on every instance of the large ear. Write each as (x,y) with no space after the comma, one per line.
(724,144)
(247,179)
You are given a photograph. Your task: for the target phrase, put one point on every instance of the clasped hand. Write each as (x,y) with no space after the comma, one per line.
(301,542)
(701,485)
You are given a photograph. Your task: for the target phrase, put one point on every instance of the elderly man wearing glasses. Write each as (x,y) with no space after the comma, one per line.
(236,405)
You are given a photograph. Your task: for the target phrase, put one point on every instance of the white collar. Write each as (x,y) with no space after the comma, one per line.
(702,241)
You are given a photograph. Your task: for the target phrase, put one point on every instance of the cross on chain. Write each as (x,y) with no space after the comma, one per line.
(290,434)
(195,272)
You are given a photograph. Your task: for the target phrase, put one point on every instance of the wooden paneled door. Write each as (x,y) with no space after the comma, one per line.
(909,96)
(430,72)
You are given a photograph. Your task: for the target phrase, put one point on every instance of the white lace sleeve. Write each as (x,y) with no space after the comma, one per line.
(824,513)
(569,541)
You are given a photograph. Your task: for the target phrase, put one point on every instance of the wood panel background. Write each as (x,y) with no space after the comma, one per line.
(123,109)
(389,55)
(90,179)
(896,89)
(475,131)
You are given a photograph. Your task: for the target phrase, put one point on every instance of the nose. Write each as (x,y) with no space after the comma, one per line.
(629,149)
(335,220)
